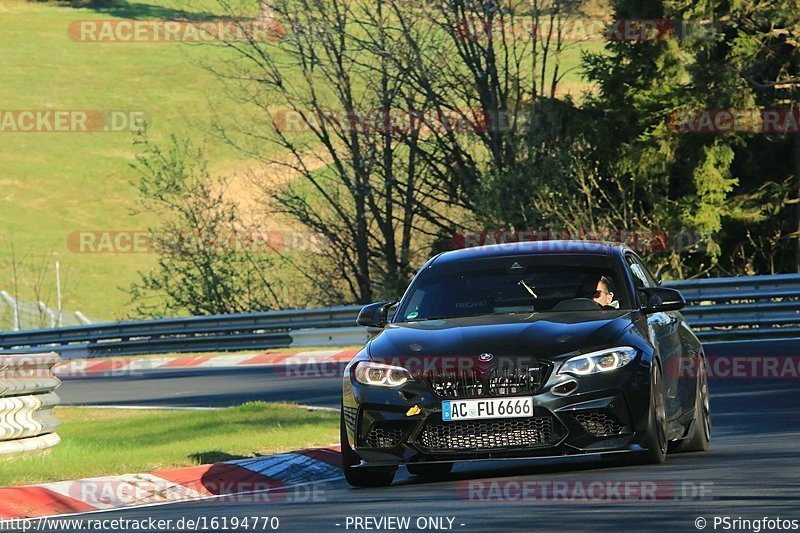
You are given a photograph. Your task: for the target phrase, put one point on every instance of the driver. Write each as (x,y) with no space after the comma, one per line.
(602,294)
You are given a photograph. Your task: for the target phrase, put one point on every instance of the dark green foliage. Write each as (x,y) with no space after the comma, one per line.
(732,190)
(208,263)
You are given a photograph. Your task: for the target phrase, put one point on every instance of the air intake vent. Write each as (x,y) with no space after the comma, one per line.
(380,436)
(350,415)
(487,435)
(497,381)
(600,422)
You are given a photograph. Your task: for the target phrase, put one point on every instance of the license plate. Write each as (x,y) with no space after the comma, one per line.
(489,408)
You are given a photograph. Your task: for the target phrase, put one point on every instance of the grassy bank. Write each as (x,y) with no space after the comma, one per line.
(98,442)
(56,185)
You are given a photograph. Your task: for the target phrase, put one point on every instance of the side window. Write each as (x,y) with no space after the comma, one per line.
(641,278)
(392,311)
(651,281)
(412,309)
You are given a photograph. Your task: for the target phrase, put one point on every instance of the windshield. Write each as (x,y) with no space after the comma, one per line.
(514,285)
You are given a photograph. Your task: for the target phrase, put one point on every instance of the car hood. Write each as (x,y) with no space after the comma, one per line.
(541,335)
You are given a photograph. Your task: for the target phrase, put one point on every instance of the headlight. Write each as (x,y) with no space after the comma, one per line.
(600,361)
(380,375)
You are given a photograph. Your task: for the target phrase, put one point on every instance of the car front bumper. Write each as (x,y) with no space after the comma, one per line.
(605,414)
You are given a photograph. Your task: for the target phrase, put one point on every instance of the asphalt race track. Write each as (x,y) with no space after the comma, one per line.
(210,387)
(751,472)
(198,387)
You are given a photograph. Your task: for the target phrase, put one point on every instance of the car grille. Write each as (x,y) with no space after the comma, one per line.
(495,434)
(600,423)
(350,415)
(497,381)
(383,437)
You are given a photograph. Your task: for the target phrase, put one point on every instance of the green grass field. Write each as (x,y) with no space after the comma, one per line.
(56,184)
(98,442)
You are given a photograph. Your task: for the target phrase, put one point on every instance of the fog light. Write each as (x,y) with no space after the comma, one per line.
(565,388)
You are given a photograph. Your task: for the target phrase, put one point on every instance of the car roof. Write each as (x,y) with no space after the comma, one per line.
(558,247)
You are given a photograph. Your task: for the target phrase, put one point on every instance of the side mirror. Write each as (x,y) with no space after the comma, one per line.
(660,299)
(375,315)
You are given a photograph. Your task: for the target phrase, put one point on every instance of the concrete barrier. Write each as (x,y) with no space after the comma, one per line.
(27,398)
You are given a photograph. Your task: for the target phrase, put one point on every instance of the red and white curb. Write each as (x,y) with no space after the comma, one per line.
(263,475)
(119,366)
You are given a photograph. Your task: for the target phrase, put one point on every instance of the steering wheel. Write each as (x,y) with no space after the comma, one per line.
(577,304)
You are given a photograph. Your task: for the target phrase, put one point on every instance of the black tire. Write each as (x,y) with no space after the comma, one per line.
(656,438)
(430,470)
(699,437)
(364,476)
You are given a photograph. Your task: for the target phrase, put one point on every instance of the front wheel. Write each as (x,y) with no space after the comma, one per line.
(699,438)
(656,439)
(365,476)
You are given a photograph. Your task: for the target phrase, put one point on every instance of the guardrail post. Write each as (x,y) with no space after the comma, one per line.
(82,318)
(47,311)
(12,303)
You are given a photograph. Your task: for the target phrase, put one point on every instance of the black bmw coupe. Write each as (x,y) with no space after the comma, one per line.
(524,350)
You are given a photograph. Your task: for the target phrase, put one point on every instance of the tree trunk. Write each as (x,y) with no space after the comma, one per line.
(797,205)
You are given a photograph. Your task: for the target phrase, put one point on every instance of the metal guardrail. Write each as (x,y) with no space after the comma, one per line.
(719,309)
(742,308)
(27,397)
(278,329)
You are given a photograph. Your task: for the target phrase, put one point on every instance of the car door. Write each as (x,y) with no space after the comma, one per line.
(664,331)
